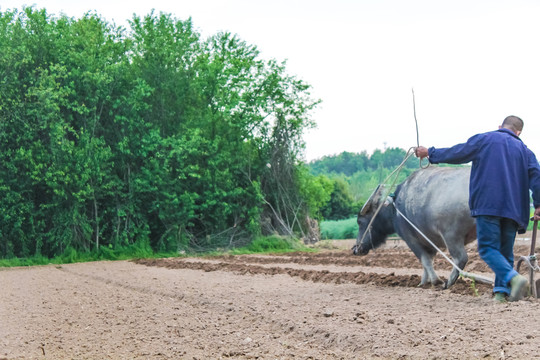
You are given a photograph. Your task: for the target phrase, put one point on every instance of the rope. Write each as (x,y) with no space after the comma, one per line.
(531,261)
(410,152)
(396,171)
(479,278)
(461,272)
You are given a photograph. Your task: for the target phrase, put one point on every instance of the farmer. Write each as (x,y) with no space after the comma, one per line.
(503,170)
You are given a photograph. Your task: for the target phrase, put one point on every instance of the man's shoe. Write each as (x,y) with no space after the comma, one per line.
(500,298)
(518,287)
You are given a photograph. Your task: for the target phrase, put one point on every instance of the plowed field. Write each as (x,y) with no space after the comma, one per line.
(322,305)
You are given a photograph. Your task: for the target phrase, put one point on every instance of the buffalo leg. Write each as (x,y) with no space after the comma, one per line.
(460,258)
(427,263)
(426,259)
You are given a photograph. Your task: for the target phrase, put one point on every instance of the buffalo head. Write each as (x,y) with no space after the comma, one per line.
(372,233)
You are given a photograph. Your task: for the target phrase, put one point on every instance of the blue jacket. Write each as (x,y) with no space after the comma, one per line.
(503,171)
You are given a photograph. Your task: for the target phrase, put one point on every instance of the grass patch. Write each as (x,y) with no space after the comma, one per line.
(339,229)
(35,260)
(138,250)
(142,250)
(271,244)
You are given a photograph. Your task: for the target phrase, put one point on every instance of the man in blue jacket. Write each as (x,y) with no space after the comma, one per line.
(503,170)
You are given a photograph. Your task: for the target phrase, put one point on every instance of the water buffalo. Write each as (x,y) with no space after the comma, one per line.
(436,201)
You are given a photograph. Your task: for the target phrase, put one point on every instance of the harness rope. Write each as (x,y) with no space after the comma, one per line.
(396,172)
(463,273)
(410,152)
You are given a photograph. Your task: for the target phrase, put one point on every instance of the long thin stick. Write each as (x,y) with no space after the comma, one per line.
(415,120)
(417,132)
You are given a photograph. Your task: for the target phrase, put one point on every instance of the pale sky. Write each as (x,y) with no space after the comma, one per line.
(471,62)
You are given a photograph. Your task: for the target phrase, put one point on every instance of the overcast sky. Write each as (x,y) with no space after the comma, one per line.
(471,62)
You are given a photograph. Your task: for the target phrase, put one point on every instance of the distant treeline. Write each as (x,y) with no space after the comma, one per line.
(111,137)
(355,175)
(348,163)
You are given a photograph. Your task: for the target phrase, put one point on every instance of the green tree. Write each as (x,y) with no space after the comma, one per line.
(345,163)
(112,137)
(359,174)
(341,204)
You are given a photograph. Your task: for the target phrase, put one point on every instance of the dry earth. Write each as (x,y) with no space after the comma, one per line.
(324,305)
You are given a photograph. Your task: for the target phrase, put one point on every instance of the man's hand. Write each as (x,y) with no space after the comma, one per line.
(422,152)
(536,214)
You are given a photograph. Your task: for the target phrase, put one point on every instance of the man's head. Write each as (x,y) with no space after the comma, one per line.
(513,123)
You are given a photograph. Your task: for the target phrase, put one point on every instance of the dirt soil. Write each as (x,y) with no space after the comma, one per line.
(323,305)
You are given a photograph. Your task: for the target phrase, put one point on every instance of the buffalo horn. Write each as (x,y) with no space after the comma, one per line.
(369,202)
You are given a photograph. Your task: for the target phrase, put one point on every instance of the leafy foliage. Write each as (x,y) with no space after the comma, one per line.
(341,205)
(112,138)
(355,175)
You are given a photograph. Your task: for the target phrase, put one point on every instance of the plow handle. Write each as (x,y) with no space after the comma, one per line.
(532,284)
(533,239)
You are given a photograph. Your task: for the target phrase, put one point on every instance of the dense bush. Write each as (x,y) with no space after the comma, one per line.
(341,205)
(150,135)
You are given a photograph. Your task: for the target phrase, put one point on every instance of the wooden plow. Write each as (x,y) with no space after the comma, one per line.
(532,263)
